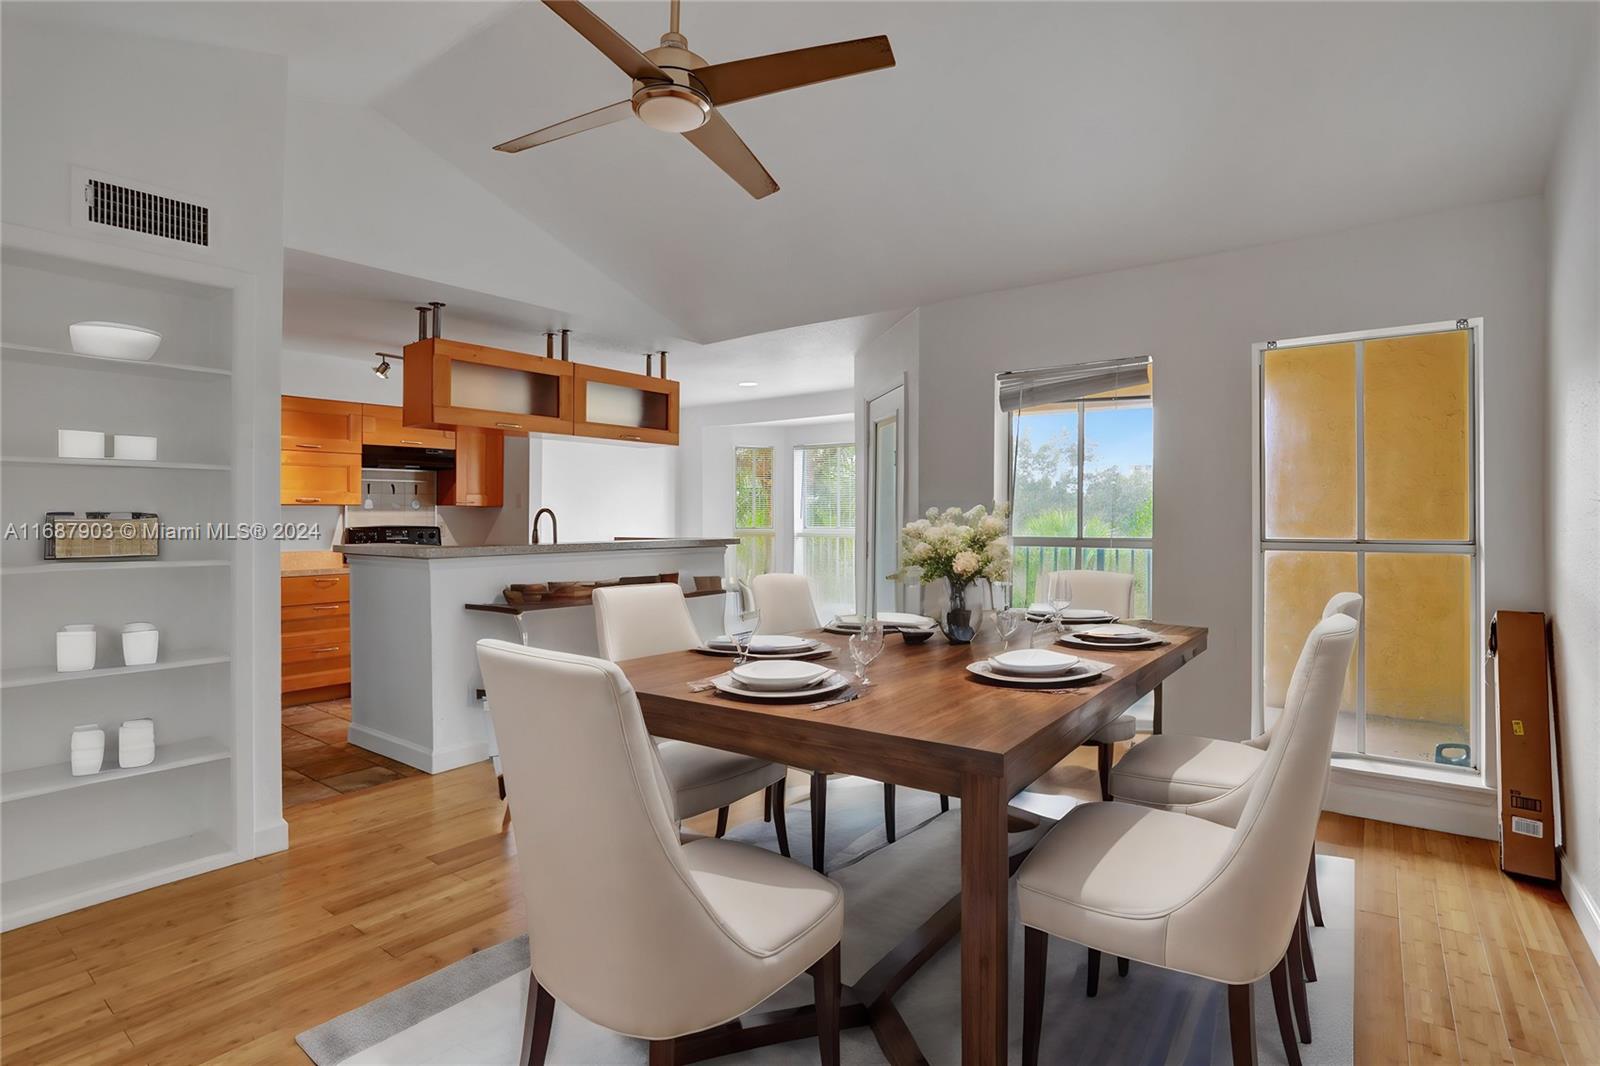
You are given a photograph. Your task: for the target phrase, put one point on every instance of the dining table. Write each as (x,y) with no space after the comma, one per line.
(926,722)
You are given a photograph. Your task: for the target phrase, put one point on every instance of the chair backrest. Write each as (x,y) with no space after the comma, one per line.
(618,929)
(785,603)
(1343,603)
(632,621)
(1237,927)
(1101,590)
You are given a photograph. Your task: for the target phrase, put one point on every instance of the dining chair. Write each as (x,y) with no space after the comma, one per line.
(787,606)
(1187,894)
(629,924)
(632,621)
(1101,590)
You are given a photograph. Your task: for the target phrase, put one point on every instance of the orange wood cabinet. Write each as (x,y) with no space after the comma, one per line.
(313,425)
(381,424)
(621,406)
(479,478)
(450,384)
(321,442)
(315,629)
(315,478)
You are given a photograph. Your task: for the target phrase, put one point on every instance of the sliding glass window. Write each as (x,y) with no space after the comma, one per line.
(752,510)
(825,523)
(1368,483)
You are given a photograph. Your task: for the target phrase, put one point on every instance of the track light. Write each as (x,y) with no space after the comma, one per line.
(382,369)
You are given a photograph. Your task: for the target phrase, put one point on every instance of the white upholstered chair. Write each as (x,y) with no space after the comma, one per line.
(628,925)
(633,621)
(1187,894)
(1101,590)
(786,606)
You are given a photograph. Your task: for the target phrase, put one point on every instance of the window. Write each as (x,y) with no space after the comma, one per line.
(1080,481)
(1368,484)
(825,523)
(752,510)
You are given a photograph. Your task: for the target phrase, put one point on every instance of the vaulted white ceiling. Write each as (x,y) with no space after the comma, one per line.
(1014,142)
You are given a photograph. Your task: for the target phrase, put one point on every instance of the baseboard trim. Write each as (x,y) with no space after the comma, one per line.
(1582,905)
(424,759)
(272,837)
(1472,812)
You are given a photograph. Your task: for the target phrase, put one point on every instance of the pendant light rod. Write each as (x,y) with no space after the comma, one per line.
(675,5)
(565,358)
(663,363)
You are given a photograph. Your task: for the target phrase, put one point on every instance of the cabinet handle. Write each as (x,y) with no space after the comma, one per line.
(327,607)
(416,442)
(308,499)
(631,436)
(323,582)
(313,446)
(507,425)
(334,647)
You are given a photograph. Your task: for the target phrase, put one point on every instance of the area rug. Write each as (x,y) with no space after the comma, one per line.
(470,1013)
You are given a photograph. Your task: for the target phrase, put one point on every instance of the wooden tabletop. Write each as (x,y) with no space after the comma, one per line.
(924,722)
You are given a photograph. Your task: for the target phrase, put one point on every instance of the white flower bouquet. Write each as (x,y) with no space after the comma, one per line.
(958,546)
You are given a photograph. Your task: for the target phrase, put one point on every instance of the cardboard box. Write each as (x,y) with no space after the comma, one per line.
(1528,807)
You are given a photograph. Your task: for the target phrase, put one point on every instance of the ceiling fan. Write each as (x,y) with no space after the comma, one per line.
(676,91)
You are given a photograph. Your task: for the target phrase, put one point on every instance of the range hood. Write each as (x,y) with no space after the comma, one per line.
(391,457)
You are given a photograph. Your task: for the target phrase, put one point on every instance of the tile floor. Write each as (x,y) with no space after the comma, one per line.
(318,760)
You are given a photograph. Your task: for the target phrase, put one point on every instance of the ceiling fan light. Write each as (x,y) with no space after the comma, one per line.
(671,108)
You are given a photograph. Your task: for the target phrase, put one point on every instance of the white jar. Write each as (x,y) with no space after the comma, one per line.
(139,642)
(75,648)
(136,743)
(132,446)
(88,749)
(80,444)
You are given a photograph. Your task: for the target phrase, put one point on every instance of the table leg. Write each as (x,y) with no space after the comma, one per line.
(1155,718)
(984,919)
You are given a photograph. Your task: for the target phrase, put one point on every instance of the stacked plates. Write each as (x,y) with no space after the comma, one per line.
(893,621)
(1112,636)
(1037,668)
(780,680)
(773,646)
(1041,612)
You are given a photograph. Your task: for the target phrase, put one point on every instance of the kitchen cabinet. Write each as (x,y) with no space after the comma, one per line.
(618,405)
(315,629)
(451,384)
(479,477)
(319,478)
(320,425)
(381,424)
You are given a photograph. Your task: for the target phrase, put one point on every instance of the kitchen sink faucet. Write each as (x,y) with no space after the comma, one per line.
(533,534)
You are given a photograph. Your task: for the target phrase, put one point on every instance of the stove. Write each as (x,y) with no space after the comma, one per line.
(424,535)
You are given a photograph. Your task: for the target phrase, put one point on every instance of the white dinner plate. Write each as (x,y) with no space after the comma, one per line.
(725,684)
(817,651)
(1073,640)
(1117,632)
(849,623)
(1085,671)
(778,675)
(765,643)
(1032,662)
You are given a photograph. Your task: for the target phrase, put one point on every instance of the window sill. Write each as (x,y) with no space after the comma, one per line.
(1462,802)
(1421,775)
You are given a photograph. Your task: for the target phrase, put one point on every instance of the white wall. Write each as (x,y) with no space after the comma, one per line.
(893,358)
(1198,318)
(1572,451)
(208,122)
(602,489)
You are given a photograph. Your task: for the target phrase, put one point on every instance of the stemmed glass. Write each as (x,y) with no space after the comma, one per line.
(741,628)
(1008,621)
(866,644)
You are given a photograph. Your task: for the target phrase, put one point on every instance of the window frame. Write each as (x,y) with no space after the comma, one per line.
(800,530)
(1360,546)
(1080,542)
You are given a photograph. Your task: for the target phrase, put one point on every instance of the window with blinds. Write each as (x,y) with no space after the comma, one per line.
(752,510)
(825,522)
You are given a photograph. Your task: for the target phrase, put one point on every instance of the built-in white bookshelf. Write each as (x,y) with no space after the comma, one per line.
(73,841)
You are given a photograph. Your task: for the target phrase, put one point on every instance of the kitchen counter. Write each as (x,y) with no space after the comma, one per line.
(420,551)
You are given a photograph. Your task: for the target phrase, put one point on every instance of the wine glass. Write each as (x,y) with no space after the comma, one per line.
(1008,621)
(866,644)
(741,628)
(1060,600)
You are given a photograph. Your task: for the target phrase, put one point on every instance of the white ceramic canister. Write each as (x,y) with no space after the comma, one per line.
(136,743)
(132,446)
(139,643)
(80,444)
(75,648)
(88,749)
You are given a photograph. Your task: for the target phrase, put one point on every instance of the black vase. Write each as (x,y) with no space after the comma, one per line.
(958,626)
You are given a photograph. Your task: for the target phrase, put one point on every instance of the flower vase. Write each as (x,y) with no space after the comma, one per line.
(958,627)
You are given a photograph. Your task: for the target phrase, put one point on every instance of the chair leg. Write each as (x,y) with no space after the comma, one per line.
(780,817)
(944,803)
(766,805)
(1035,951)
(1305,947)
(1280,1005)
(663,1052)
(1241,1024)
(1297,988)
(536,1024)
(825,984)
(1122,966)
(1311,892)
(1093,969)
(819,817)
(888,812)
(505,821)
(1103,762)
(722,821)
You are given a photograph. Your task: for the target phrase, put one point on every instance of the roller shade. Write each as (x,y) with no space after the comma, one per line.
(1069,384)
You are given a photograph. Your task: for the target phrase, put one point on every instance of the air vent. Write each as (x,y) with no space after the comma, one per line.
(124,207)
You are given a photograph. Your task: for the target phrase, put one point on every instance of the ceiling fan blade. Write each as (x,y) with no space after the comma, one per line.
(745,79)
(724,148)
(603,116)
(612,44)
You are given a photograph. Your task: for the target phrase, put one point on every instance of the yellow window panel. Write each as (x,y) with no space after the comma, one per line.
(1309,442)
(1416,396)
(1298,586)
(1419,649)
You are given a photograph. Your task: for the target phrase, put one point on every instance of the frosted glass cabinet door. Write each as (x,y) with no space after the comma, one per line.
(1418,458)
(1309,442)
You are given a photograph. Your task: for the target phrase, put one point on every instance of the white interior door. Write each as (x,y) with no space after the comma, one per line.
(885,499)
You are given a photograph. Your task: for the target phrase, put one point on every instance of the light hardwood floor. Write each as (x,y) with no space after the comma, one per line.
(1454,961)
